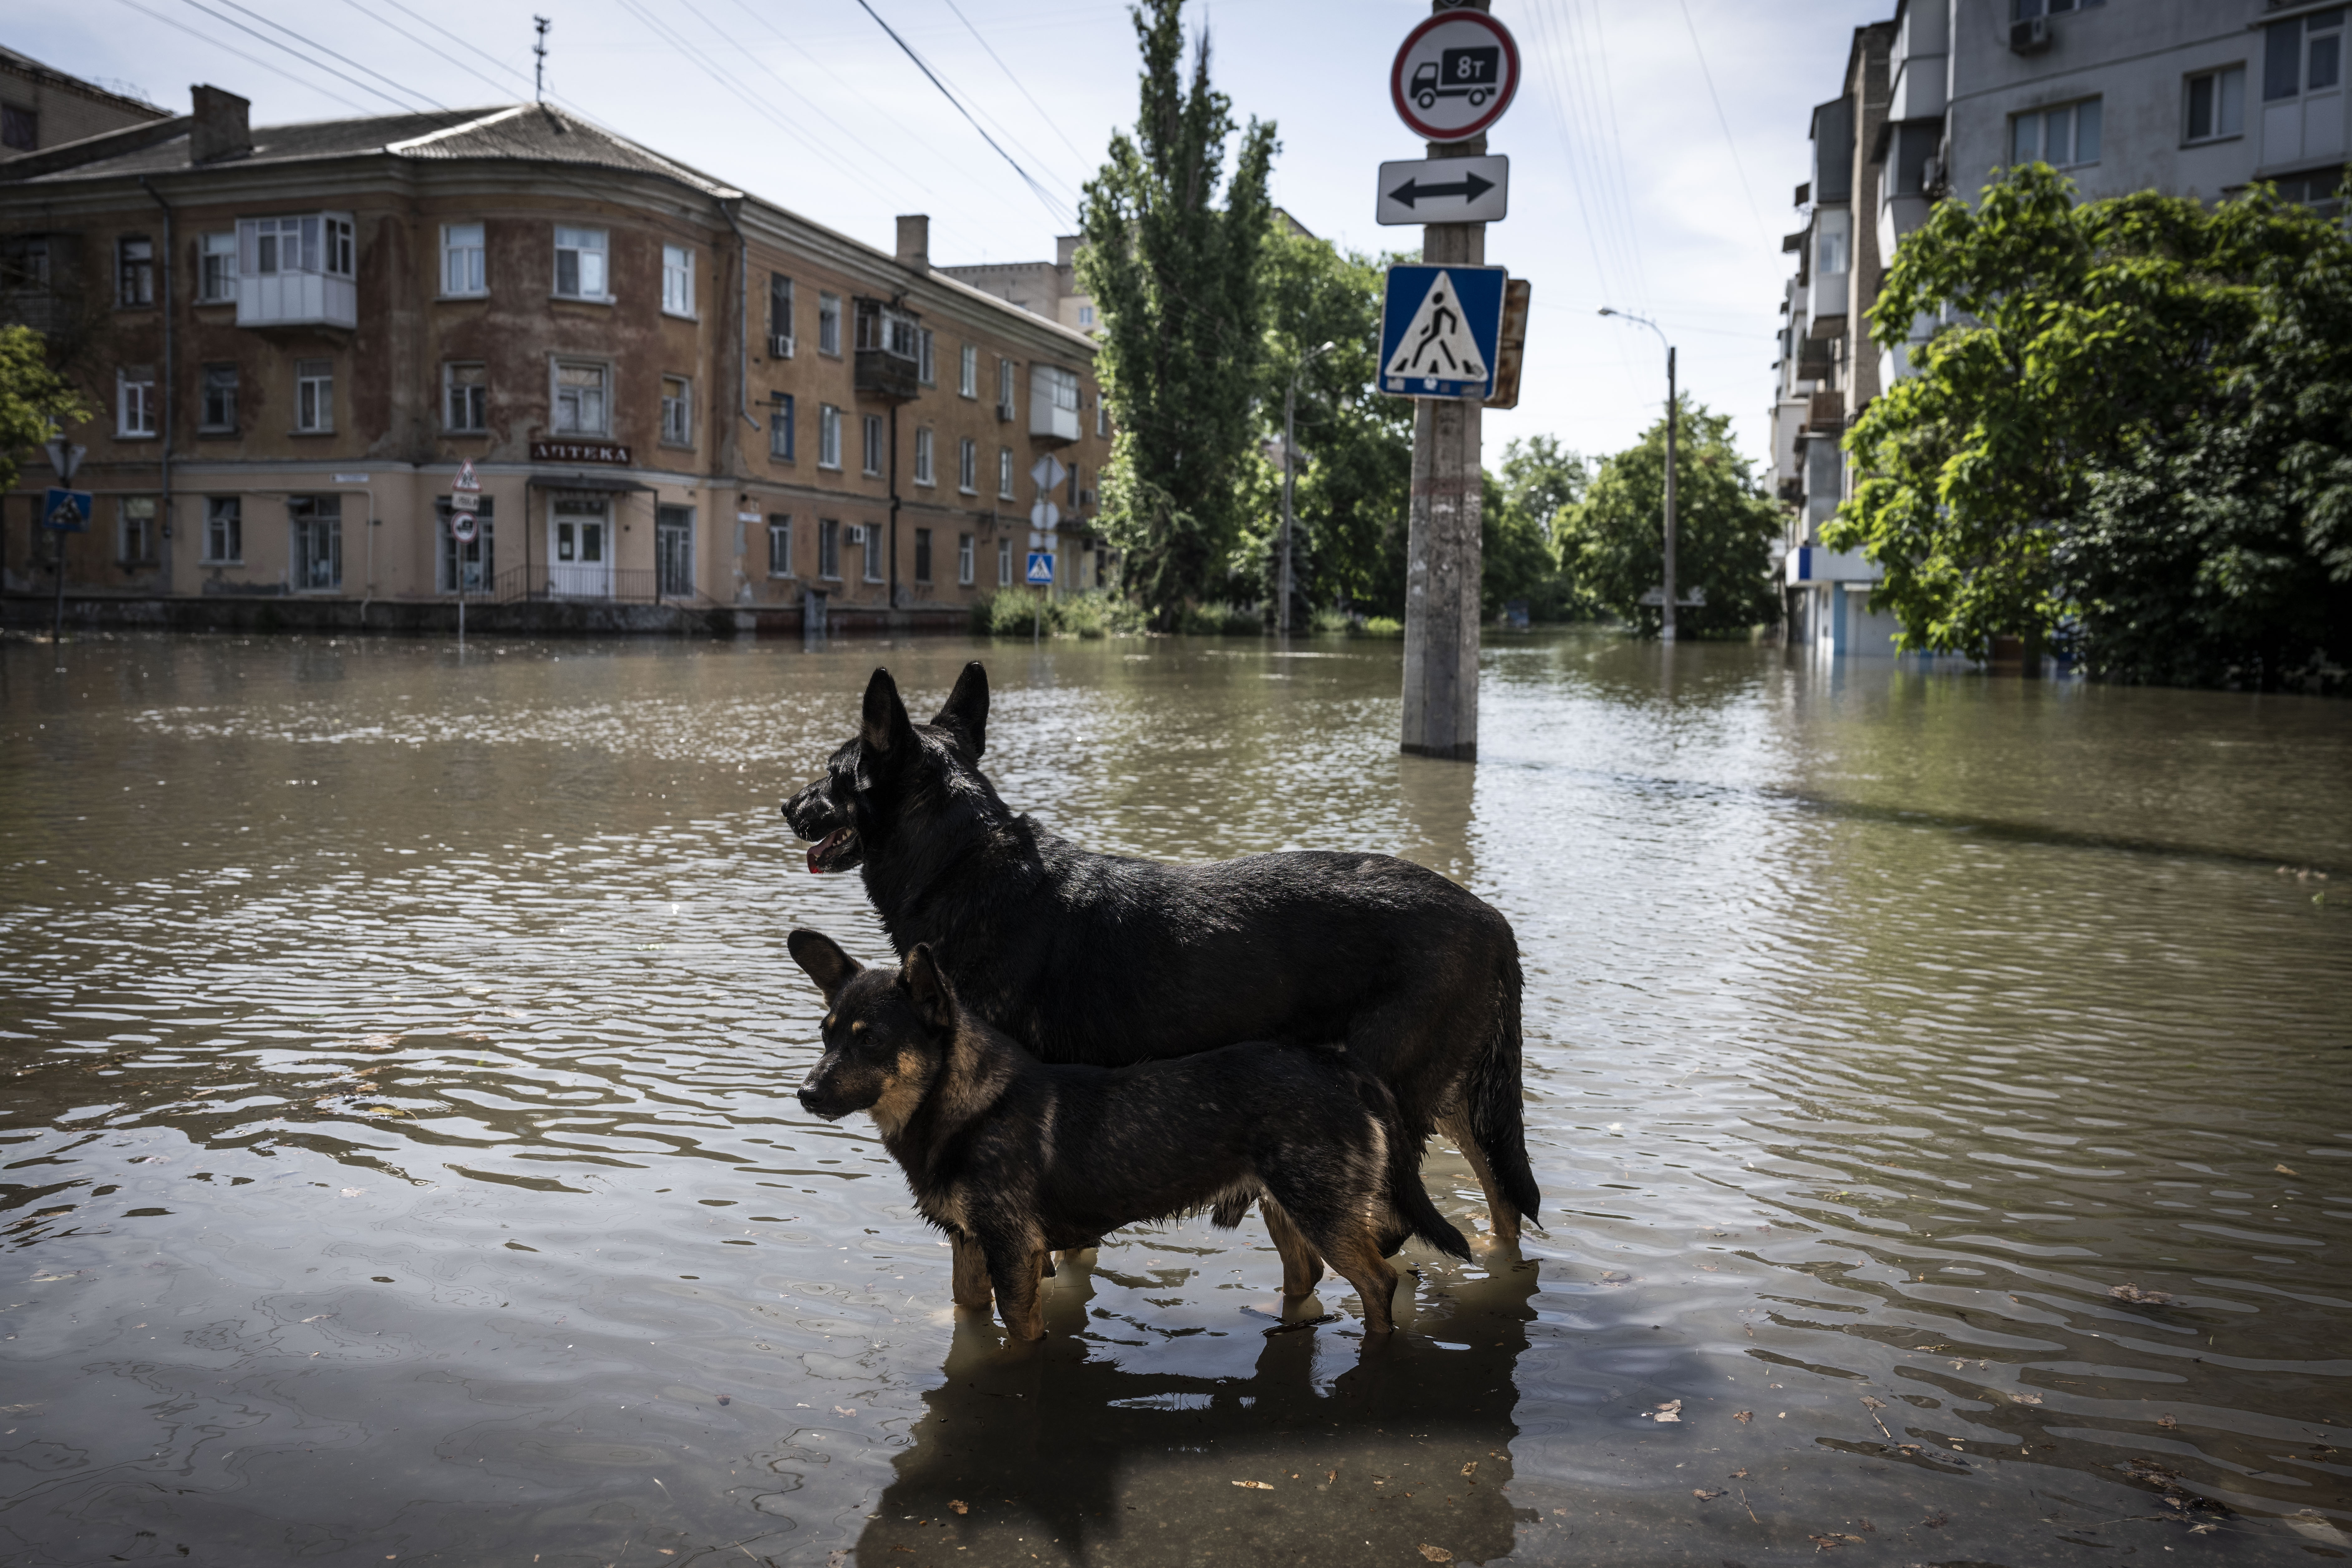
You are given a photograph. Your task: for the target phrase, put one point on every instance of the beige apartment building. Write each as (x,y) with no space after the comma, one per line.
(684,406)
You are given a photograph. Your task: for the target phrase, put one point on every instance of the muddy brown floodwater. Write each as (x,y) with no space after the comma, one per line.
(400,1159)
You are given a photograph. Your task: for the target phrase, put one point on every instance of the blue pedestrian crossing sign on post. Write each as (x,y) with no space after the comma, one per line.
(1440,331)
(1040,568)
(65,511)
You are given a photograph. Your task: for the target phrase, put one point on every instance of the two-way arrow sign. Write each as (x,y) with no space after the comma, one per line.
(1445,190)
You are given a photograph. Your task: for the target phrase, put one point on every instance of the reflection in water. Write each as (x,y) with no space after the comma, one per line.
(397,1157)
(1131,1459)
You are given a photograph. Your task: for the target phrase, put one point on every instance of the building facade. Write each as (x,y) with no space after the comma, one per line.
(2196,97)
(41,107)
(678,400)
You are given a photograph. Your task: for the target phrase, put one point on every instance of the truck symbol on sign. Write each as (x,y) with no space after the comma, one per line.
(1471,73)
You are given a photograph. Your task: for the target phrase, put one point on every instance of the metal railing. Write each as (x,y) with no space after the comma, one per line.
(593,584)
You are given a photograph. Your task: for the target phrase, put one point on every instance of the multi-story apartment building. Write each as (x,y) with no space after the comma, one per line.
(678,400)
(40,107)
(2187,97)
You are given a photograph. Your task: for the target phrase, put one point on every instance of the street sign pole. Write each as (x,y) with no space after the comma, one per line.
(1453,78)
(65,457)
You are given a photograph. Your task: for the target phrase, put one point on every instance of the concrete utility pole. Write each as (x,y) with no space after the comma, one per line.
(1443,554)
(1666,631)
(1289,481)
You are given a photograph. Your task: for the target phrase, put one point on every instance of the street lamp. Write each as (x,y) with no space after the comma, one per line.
(1666,631)
(1289,477)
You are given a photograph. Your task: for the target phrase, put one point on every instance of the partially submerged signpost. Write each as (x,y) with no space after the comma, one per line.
(64,511)
(465,501)
(1442,344)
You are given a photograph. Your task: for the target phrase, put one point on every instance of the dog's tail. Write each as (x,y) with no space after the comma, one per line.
(1493,1097)
(1407,1197)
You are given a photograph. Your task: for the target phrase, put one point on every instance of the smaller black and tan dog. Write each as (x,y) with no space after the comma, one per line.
(1018,1158)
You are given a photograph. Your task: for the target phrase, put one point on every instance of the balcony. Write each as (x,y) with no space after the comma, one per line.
(1053,404)
(888,362)
(298,271)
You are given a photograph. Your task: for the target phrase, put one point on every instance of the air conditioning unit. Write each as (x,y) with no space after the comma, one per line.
(1931,176)
(2029,36)
(779,345)
(856,535)
(1004,412)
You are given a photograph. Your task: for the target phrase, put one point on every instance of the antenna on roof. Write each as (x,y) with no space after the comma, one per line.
(538,66)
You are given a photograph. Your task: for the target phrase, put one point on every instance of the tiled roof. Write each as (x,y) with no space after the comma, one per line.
(528,131)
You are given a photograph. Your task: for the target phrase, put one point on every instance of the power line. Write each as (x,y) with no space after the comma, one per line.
(1723,120)
(322,48)
(240,54)
(495,86)
(1051,208)
(1016,80)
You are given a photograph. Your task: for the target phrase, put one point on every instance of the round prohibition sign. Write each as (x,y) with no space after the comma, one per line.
(1454,75)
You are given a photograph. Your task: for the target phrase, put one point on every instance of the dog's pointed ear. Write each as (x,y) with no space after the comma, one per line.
(885,730)
(966,709)
(927,983)
(823,958)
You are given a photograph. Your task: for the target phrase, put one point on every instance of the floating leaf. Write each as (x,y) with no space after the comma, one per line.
(1707,1494)
(2138,1297)
(2281,1170)
(1672,1410)
(1743,1416)
(1436,1554)
(958,1505)
(1257,1486)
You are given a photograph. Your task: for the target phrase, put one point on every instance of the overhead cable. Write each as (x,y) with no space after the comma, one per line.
(1057,211)
(321,48)
(1723,120)
(240,54)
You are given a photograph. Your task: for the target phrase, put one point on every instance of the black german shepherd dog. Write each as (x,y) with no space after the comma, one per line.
(1110,960)
(1015,1158)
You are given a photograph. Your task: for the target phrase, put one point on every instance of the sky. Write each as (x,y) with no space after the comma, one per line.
(1654,147)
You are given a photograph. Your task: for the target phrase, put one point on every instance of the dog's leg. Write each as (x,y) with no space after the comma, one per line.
(1302,1265)
(971,1287)
(1504,1216)
(1358,1258)
(1017,1269)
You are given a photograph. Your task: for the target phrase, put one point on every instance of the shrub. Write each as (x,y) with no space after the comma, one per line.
(1018,612)
(1384,626)
(1217,618)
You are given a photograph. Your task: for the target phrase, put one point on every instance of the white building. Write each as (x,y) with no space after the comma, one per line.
(2187,97)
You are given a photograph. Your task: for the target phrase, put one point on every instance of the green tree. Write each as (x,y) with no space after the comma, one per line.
(1355,444)
(1176,280)
(1612,543)
(2126,434)
(34,399)
(1518,523)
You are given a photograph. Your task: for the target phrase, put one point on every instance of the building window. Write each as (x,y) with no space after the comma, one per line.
(216,409)
(24,263)
(2065,137)
(1102,415)
(314,395)
(470,568)
(922,556)
(579,263)
(134,400)
(873,455)
(1004,379)
(779,316)
(2216,105)
(1831,248)
(829,324)
(1004,563)
(676,411)
(463,268)
(134,271)
(135,531)
(784,436)
(828,435)
(963,560)
(267,247)
(674,551)
(967,466)
(582,407)
(1075,472)
(465,396)
(968,370)
(828,549)
(1004,473)
(316,558)
(1085,316)
(926,365)
(869,537)
(780,544)
(2026,10)
(216,268)
(923,475)
(19,128)
(678,281)
(2303,54)
(223,530)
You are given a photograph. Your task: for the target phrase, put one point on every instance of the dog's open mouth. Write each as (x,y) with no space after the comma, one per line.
(836,851)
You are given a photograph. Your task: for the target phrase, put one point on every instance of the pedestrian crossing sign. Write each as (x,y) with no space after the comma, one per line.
(1440,329)
(1041,567)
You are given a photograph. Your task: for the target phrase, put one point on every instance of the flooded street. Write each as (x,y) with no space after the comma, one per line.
(400,1161)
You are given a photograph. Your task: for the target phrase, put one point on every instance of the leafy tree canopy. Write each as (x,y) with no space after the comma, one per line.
(2130,433)
(1612,542)
(1176,282)
(34,399)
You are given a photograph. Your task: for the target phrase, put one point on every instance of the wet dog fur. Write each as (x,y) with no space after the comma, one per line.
(1110,960)
(1016,1158)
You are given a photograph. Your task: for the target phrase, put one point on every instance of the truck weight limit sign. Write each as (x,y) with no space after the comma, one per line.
(1455,76)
